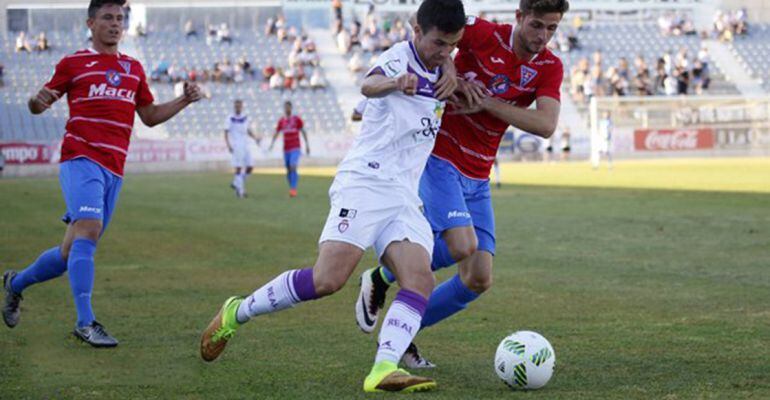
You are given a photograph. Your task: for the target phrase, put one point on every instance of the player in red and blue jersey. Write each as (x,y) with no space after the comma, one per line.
(515,69)
(104,89)
(290,126)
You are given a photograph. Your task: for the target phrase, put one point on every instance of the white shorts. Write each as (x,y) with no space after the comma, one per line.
(242,157)
(367,212)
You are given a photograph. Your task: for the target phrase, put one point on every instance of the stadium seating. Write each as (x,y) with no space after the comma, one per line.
(614,39)
(753,52)
(24,73)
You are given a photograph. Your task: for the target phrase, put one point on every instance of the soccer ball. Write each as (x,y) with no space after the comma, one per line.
(525,360)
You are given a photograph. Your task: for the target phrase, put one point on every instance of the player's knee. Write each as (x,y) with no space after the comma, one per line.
(464,249)
(88,228)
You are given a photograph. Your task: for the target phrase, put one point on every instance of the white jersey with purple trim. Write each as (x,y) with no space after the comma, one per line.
(237,127)
(398,131)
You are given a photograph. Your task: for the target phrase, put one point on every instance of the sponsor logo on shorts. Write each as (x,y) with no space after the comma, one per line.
(94,210)
(348,213)
(343,226)
(458,214)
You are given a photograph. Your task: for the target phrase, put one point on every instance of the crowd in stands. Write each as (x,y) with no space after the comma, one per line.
(302,68)
(729,24)
(670,75)
(23,43)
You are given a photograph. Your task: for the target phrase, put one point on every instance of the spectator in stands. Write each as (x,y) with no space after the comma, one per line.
(268,71)
(211,34)
(597,58)
(700,78)
(276,80)
(577,23)
(642,82)
(578,76)
(682,80)
(343,41)
(223,34)
(189,29)
(270,27)
(337,10)
(659,85)
(624,70)
(246,67)
(356,63)
(160,72)
(317,80)
(616,85)
(42,43)
(2,67)
(140,30)
(670,85)
(22,44)
(594,85)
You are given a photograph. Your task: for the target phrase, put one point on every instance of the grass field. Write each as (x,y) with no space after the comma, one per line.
(645,292)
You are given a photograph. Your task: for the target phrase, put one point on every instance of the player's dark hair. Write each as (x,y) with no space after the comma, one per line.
(287,103)
(544,6)
(448,16)
(97,4)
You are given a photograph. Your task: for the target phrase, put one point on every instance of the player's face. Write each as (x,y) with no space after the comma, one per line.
(107,26)
(536,30)
(287,109)
(238,107)
(435,46)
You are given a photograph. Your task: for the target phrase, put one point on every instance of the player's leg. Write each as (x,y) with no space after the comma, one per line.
(409,259)
(246,170)
(442,194)
(475,272)
(91,193)
(292,173)
(336,262)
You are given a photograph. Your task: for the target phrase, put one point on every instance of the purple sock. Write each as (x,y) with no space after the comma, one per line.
(303,284)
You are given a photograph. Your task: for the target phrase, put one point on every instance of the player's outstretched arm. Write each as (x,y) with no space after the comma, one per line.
(541,121)
(154,114)
(272,142)
(227,141)
(43,100)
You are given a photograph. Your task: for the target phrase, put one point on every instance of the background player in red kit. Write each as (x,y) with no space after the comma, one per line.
(290,126)
(104,88)
(515,69)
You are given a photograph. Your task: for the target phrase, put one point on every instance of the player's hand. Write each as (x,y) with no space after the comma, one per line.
(407,83)
(192,92)
(473,92)
(461,105)
(307,150)
(46,97)
(448,82)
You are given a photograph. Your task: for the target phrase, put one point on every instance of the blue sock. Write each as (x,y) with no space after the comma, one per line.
(448,298)
(81,272)
(293,179)
(387,275)
(48,265)
(441,256)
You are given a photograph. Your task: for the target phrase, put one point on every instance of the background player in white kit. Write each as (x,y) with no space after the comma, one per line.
(374,200)
(237,128)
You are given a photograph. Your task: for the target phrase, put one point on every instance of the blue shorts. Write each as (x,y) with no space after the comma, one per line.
(452,200)
(291,157)
(90,191)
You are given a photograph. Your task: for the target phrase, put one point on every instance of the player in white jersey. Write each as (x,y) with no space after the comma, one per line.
(374,201)
(237,130)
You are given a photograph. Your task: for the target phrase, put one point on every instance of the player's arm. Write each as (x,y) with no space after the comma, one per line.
(253,135)
(541,121)
(154,114)
(275,136)
(378,85)
(43,100)
(227,141)
(307,144)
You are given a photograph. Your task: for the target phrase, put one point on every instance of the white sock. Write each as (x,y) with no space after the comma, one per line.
(276,295)
(400,325)
(243,181)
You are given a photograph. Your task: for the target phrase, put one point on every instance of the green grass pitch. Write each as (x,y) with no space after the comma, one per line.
(645,292)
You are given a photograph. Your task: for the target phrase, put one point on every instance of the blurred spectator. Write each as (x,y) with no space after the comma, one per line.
(160,72)
(577,22)
(317,80)
(42,43)
(223,34)
(356,63)
(189,29)
(337,10)
(270,26)
(267,72)
(211,34)
(140,30)
(276,80)
(682,80)
(22,44)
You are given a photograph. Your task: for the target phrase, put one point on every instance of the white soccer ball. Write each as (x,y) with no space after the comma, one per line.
(525,360)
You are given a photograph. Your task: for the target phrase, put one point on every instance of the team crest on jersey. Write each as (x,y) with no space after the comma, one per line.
(126,66)
(499,84)
(113,77)
(527,75)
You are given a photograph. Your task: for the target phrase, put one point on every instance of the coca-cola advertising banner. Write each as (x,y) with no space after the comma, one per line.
(673,139)
(27,153)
